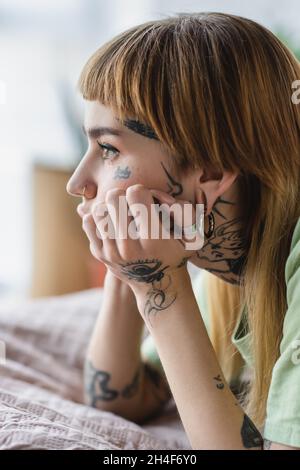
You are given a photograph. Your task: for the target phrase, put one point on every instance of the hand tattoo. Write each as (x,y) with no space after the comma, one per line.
(144,270)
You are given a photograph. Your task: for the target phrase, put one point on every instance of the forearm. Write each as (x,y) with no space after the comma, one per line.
(113,368)
(209,411)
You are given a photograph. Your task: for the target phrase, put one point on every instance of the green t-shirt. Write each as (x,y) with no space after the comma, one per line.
(282,423)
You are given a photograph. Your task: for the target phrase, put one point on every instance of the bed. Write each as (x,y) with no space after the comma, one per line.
(41,387)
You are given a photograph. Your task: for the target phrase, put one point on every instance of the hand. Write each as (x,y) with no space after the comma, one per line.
(145,264)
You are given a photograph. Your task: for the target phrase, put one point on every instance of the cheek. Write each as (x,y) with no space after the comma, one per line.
(117,175)
(152,174)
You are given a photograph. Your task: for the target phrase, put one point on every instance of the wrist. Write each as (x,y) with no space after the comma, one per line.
(163,294)
(177,280)
(113,284)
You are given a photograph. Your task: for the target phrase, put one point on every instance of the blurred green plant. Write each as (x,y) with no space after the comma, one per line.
(284,36)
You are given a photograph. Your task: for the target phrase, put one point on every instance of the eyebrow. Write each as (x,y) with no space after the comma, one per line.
(96,132)
(140,128)
(134,125)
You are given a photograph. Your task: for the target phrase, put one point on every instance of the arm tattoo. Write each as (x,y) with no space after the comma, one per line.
(158,299)
(97,388)
(151,272)
(220,384)
(132,389)
(251,437)
(122,173)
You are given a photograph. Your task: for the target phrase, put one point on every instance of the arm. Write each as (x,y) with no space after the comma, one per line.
(269,445)
(156,272)
(209,411)
(115,378)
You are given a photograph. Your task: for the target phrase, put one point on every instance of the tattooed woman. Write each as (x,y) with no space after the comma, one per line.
(197,109)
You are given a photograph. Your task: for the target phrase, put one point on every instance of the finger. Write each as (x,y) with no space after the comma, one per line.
(89,227)
(119,212)
(140,202)
(106,229)
(125,227)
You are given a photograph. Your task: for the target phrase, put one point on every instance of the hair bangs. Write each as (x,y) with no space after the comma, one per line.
(126,74)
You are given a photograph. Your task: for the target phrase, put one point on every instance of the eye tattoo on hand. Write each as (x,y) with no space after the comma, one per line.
(144,270)
(151,272)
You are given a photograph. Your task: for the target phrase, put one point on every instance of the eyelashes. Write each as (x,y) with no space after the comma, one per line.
(108,151)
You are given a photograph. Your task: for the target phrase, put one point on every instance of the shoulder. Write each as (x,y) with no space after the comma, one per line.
(293,260)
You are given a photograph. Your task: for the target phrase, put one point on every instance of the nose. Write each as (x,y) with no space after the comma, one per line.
(82,182)
(74,187)
(87,189)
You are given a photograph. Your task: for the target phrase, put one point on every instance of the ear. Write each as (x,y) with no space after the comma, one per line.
(210,185)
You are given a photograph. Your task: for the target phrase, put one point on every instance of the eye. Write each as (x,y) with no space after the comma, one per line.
(108,151)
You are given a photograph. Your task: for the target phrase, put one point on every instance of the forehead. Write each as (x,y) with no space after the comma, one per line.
(96,114)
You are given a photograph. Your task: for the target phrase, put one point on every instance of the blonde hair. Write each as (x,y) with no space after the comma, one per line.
(216,89)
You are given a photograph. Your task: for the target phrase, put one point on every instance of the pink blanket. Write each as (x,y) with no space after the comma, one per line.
(41,405)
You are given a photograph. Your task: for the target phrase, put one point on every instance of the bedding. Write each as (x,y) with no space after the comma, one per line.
(41,386)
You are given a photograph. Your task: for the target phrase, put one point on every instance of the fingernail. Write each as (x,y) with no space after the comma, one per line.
(163,196)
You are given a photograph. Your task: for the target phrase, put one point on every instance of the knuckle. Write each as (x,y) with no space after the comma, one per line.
(110,254)
(99,210)
(125,251)
(134,188)
(112,194)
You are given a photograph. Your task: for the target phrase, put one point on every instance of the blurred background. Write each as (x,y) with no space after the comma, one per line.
(43,46)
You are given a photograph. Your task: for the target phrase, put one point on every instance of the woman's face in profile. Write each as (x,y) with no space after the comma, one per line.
(119,156)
